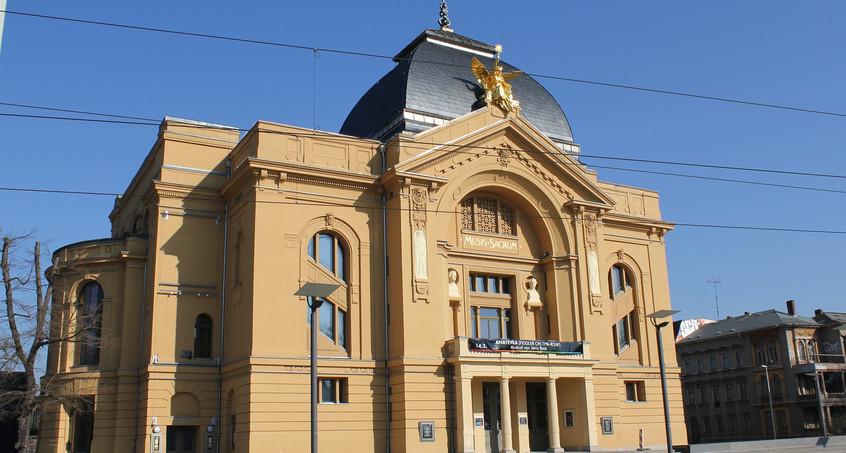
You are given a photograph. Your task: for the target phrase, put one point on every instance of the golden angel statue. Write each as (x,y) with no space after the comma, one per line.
(495,83)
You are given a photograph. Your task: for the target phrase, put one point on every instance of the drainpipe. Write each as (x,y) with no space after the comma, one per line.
(385,298)
(219,426)
(141,345)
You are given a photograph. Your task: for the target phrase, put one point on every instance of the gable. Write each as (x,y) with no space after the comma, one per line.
(482,137)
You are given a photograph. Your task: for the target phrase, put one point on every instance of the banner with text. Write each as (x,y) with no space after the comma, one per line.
(508,344)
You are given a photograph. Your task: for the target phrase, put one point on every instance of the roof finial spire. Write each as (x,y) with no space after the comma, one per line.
(444,20)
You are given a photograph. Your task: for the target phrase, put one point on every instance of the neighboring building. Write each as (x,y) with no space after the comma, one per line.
(493,291)
(724,376)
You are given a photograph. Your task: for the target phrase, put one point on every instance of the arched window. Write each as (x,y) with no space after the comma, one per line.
(619,280)
(203,337)
(803,353)
(329,252)
(91,299)
(487,215)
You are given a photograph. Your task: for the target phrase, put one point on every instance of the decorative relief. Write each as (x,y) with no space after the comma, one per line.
(421,264)
(452,286)
(533,300)
(329,218)
(596,304)
(593,272)
(291,240)
(504,152)
(419,197)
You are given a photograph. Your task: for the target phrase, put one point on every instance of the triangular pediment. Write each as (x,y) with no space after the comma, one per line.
(487,135)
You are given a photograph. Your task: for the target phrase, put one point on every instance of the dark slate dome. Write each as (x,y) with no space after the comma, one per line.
(432,83)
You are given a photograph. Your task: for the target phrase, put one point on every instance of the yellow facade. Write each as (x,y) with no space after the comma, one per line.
(481,228)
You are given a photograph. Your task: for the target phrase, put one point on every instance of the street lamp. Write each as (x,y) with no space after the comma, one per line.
(660,314)
(315,292)
(770,395)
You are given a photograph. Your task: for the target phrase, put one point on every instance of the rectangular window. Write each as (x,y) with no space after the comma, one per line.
(700,368)
(691,395)
(83,426)
(488,322)
(746,419)
(624,332)
(702,393)
(741,390)
(635,391)
(713,362)
(706,424)
(342,328)
(326,315)
(715,395)
(726,361)
(490,284)
(332,390)
(732,423)
(728,390)
(687,367)
(738,357)
(719,420)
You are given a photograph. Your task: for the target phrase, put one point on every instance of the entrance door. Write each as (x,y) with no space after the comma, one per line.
(493,419)
(181,439)
(538,421)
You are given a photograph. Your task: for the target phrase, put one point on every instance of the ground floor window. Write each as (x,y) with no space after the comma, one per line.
(332,390)
(635,391)
(181,439)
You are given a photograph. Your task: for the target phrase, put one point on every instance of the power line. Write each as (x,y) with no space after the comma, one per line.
(436,211)
(388,57)
(425,145)
(458,149)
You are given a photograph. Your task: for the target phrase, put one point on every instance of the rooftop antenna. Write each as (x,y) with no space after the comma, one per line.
(716,297)
(444,20)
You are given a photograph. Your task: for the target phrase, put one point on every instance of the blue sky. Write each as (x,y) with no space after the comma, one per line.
(773,52)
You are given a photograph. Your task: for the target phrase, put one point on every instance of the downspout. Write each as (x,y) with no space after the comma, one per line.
(385,299)
(222,316)
(141,344)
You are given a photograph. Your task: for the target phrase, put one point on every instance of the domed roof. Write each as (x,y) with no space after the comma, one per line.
(432,83)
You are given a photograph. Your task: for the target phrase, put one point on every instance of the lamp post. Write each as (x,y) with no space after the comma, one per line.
(770,395)
(653,319)
(315,292)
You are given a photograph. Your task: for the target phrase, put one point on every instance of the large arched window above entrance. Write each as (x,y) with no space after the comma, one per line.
(487,215)
(326,250)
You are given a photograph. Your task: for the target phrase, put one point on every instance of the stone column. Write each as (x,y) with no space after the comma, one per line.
(464,413)
(505,409)
(552,417)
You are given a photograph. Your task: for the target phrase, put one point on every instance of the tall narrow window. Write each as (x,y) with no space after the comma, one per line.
(203,337)
(83,426)
(332,322)
(236,260)
(90,323)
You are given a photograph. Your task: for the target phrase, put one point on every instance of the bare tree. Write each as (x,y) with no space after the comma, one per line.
(28,321)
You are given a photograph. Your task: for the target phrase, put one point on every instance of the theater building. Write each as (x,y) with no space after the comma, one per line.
(492,290)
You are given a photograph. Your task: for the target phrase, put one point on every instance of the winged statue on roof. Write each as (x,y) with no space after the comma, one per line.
(495,82)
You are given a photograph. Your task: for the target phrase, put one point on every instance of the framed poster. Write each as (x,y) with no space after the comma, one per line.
(569,418)
(426,431)
(607,425)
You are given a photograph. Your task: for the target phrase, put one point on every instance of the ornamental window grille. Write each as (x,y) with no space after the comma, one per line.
(487,215)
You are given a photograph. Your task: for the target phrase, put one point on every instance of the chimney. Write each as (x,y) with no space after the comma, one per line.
(818,312)
(745,313)
(791,307)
